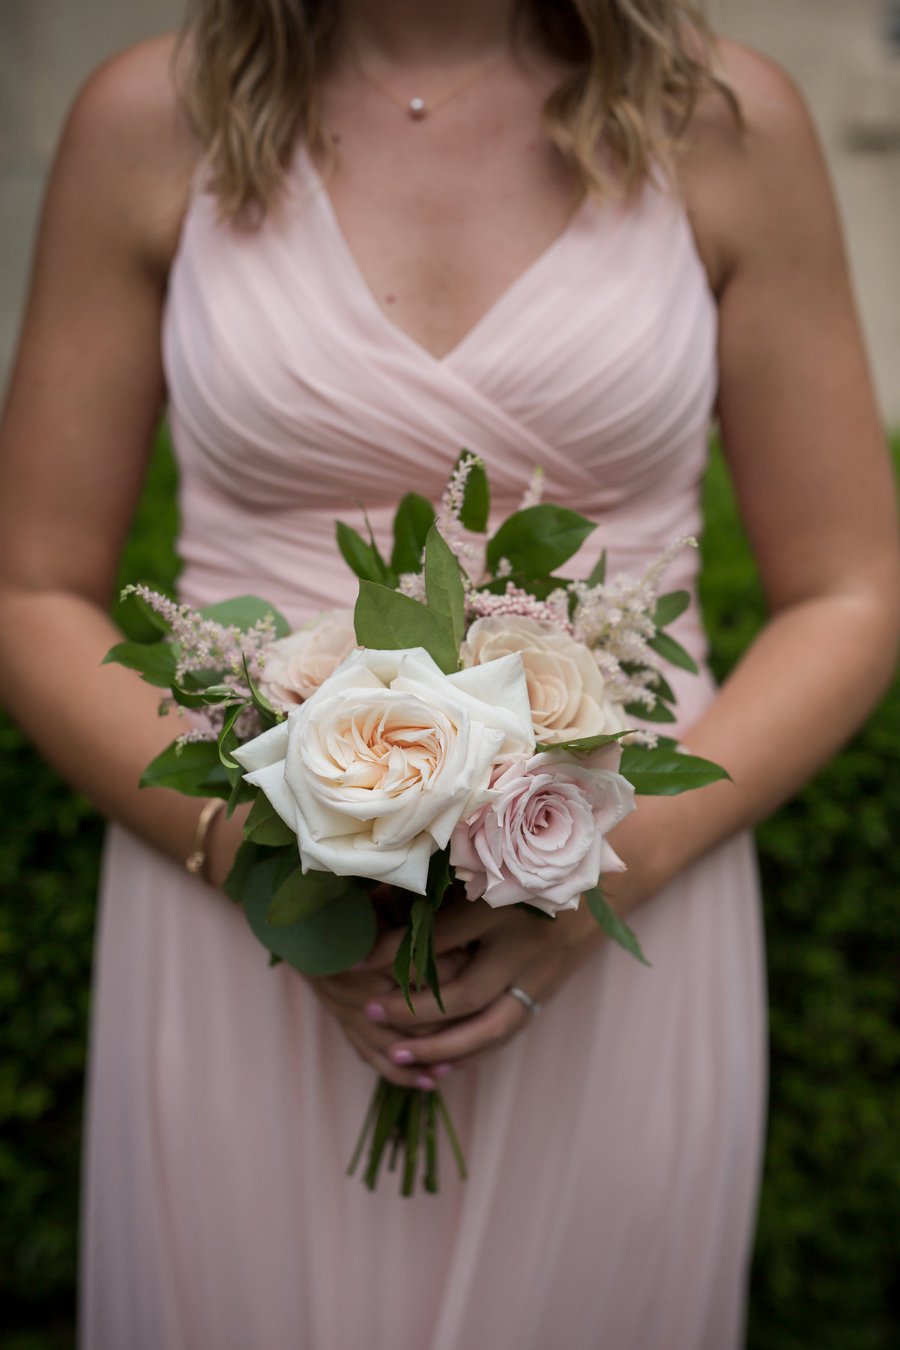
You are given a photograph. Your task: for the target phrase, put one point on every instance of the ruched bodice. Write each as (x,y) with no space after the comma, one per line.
(613,1145)
(295,399)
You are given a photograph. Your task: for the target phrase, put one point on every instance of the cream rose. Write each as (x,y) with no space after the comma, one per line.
(296,665)
(540,839)
(376,768)
(565,688)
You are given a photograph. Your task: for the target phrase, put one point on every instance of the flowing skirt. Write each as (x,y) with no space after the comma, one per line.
(613,1147)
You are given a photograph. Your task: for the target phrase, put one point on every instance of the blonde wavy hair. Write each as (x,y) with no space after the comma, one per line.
(251,71)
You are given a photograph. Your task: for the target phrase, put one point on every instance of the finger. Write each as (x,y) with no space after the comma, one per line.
(461,1040)
(488,974)
(409,1077)
(353,987)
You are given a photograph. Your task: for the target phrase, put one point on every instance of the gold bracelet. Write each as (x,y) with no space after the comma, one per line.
(196,859)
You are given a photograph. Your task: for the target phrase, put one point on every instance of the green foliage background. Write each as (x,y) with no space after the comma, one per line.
(827,1253)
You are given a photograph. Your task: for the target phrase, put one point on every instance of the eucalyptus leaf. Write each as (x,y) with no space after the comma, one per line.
(301,895)
(243,869)
(444,584)
(193,769)
(476,504)
(387,620)
(154,661)
(670,607)
(334,939)
(265,826)
(413,520)
(244,612)
(665,772)
(612,925)
(674,653)
(538,539)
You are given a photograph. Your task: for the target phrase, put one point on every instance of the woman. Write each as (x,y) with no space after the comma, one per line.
(365,247)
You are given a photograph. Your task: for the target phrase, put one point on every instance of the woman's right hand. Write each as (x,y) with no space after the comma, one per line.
(346,997)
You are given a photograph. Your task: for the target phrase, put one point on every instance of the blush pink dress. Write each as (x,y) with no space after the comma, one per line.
(614,1145)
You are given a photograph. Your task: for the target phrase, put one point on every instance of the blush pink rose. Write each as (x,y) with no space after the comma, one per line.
(296,665)
(540,839)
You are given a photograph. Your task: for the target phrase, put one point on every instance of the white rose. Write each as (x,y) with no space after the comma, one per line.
(296,665)
(376,768)
(566,689)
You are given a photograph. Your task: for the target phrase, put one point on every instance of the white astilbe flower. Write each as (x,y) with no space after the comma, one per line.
(615,619)
(413,585)
(448,516)
(533,494)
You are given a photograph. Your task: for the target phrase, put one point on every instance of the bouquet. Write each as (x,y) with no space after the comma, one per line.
(467,728)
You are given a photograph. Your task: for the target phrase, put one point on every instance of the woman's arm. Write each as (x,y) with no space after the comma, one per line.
(814,483)
(83,403)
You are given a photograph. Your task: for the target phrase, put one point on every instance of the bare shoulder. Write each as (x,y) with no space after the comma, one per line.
(127,151)
(744,182)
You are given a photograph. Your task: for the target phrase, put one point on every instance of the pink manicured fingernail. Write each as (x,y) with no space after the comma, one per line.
(441,1070)
(424,1082)
(375,1012)
(402,1056)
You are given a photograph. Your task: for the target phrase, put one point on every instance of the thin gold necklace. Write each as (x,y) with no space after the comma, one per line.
(418,108)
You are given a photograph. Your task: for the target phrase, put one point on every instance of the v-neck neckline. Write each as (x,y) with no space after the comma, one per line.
(361,284)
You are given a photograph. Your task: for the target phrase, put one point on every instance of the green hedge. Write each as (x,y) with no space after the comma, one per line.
(825,1272)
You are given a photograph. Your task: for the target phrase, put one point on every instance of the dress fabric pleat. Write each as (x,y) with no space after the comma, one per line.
(613,1146)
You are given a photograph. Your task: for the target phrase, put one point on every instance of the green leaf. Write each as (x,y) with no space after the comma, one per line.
(203,698)
(329,941)
(401,966)
(301,895)
(387,620)
(362,558)
(674,653)
(155,661)
(612,925)
(444,584)
(239,879)
(663,690)
(228,740)
(193,769)
(539,587)
(597,574)
(476,505)
(258,699)
(538,539)
(658,714)
(244,612)
(665,772)
(670,607)
(584,744)
(138,621)
(265,826)
(414,518)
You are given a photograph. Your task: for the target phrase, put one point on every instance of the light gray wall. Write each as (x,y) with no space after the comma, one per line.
(830,46)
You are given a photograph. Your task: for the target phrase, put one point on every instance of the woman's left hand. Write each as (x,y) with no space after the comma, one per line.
(514,947)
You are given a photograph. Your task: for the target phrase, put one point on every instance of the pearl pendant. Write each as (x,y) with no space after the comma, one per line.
(417,109)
